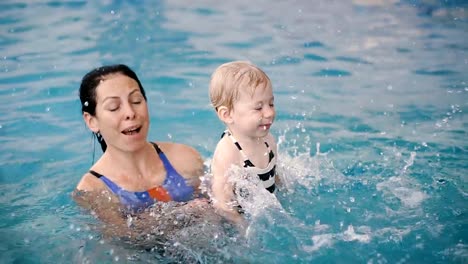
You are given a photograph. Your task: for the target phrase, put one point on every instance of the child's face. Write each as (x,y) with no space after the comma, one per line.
(253,115)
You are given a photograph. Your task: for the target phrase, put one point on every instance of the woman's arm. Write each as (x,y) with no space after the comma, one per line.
(93,195)
(106,207)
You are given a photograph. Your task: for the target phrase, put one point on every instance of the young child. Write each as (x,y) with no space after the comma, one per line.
(242,96)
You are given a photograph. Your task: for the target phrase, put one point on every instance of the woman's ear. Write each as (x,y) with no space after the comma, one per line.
(224,114)
(91,122)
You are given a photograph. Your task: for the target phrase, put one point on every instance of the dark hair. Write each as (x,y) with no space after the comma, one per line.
(90,82)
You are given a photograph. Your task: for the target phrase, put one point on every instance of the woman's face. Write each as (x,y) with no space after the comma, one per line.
(121,113)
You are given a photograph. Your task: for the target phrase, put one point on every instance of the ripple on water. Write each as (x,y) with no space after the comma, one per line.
(285,60)
(332,73)
(314,57)
(313,44)
(352,60)
(441,72)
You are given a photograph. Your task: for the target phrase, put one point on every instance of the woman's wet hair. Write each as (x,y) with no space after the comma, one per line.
(91,81)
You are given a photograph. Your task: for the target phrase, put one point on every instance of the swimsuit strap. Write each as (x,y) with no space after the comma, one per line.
(247,162)
(98,175)
(271,155)
(158,150)
(167,165)
(114,187)
(175,184)
(228,133)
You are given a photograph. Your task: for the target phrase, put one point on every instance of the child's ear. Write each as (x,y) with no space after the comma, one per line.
(91,122)
(224,114)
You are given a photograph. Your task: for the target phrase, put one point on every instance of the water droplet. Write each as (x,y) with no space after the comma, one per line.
(442,181)
(456,212)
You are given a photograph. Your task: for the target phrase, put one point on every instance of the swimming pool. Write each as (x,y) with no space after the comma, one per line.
(371,97)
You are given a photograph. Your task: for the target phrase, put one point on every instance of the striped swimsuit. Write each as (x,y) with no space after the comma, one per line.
(267,175)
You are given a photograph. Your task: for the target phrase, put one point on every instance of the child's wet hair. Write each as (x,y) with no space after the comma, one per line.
(229,78)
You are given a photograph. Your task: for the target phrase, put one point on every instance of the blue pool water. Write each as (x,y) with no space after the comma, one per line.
(372,103)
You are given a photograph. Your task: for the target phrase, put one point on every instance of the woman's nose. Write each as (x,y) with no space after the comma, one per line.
(129,112)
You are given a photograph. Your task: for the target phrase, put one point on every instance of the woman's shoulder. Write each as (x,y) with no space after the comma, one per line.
(182,156)
(90,182)
(178,149)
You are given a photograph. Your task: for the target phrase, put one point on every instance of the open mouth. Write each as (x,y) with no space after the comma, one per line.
(131,131)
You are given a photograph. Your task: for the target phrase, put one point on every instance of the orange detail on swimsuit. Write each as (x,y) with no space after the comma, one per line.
(160,194)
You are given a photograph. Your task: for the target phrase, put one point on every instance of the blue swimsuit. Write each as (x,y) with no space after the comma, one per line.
(174,188)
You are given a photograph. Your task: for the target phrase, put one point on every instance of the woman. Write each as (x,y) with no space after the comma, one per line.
(133,174)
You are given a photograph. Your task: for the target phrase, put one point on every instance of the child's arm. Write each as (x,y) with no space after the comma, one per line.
(223,194)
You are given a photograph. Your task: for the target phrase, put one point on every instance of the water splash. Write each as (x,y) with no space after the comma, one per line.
(404,188)
(409,162)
